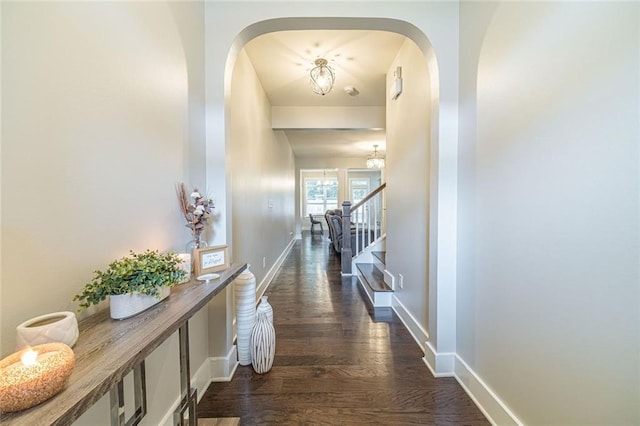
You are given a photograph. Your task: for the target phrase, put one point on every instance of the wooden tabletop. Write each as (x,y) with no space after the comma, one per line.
(108,349)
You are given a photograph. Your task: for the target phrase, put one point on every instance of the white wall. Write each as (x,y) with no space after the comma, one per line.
(262,167)
(408,180)
(103,110)
(548,297)
(305,117)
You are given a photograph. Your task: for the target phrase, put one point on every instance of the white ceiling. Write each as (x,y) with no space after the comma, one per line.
(361,59)
(335,143)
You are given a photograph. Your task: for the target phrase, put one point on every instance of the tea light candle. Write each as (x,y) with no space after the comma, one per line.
(185,265)
(34,375)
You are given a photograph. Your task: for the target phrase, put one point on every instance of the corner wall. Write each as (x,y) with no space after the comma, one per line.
(548,306)
(408,180)
(261,172)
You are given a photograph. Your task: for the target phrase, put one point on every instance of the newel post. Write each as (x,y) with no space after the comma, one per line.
(346,254)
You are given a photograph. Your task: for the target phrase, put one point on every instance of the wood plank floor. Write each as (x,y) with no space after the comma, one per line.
(337,361)
(228,421)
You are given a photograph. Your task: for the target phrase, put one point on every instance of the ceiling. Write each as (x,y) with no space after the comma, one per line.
(361,59)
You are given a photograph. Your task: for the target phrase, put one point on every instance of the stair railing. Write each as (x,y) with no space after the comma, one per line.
(362,225)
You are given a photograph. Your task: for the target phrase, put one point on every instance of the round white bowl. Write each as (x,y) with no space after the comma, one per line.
(55,327)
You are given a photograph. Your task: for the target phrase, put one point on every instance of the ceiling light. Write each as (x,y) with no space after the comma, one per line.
(375,162)
(322,77)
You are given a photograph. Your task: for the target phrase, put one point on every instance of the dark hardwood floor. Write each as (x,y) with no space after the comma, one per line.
(338,362)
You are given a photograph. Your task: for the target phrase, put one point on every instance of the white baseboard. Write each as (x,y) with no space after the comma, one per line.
(202,378)
(440,364)
(451,365)
(487,401)
(262,287)
(415,329)
(213,369)
(223,368)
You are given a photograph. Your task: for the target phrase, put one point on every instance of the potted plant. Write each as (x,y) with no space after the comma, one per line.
(133,283)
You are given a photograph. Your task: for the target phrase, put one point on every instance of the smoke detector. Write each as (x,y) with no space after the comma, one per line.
(351,91)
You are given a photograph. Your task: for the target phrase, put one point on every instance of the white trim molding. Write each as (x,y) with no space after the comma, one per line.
(494,409)
(264,284)
(223,368)
(440,364)
(202,378)
(415,329)
(451,365)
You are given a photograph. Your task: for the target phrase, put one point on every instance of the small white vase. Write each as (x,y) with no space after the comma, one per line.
(265,307)
(55,327)
(127,305)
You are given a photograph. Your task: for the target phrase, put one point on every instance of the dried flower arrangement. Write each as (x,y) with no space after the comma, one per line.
(196,210)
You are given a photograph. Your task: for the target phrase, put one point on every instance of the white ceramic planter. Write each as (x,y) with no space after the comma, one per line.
(55,327)
(127,305)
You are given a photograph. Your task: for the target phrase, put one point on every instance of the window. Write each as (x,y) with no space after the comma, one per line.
(321,194)
(359,189)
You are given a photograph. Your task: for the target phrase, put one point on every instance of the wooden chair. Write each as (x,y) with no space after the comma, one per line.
(314,223)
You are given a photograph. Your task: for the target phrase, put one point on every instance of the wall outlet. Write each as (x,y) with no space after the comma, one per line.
(264,262)
(400,281)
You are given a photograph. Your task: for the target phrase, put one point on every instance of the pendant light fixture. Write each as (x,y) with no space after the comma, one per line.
(375,162)
(322,77)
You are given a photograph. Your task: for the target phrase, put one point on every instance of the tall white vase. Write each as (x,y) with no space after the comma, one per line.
(245,295)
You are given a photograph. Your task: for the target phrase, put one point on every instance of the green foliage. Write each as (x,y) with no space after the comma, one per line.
(140,273)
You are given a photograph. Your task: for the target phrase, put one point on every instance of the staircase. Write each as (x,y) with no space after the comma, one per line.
(366,223)
(365,256)
(371,276)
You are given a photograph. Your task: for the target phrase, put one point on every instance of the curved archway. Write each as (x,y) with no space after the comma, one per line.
(424,44)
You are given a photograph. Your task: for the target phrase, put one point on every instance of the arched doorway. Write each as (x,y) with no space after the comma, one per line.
(441,308)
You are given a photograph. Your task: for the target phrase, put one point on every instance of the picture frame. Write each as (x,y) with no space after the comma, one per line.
(211,259)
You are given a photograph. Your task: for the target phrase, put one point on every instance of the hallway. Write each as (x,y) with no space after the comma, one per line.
(337,361)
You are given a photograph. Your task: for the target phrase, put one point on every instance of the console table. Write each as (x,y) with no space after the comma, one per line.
(107,350)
